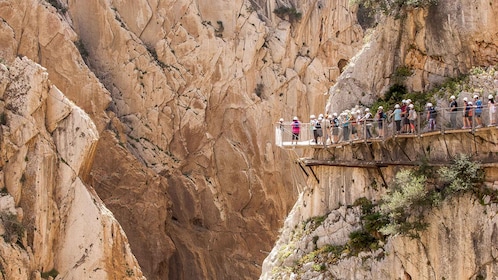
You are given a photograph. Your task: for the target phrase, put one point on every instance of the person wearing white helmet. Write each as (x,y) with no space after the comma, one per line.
(381,117)
(431,117)
(397,118)
(367,121)
(477,111)
(335,128)
(296,128)
(345,119)
(492,110)
(412,118)
(279,132)
(467,114)
(319,131)
(313,128)
(453,112)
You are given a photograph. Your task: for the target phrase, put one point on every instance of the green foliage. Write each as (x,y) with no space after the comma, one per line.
(290,12)
(52,273)
(360,240)
(398,92)
(462,175)
(408,197)
(401,73)
(390,7)
(14,230)
(313,223)
(369,236)
(413,194)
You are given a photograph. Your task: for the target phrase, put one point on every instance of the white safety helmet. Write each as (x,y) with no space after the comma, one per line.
(470,103)
(312,117)
(367,110)
(408,101)
(295,118)
(490,96)
(403,101)
(452,97)
(476,96)
(429,104)
(320,116)
(465,99)
(396,106)
(410,106)
(381,108)
(281,120)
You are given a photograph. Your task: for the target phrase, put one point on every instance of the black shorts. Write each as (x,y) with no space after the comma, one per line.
(295,136)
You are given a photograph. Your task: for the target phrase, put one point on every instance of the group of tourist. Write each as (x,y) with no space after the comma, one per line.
(358,122)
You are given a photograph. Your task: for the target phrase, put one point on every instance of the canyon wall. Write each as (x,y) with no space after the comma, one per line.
(440,42)
(457,243)
(444,41)
(184,95)
(52,221)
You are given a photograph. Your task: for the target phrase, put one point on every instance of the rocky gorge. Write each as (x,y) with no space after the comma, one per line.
(137,135)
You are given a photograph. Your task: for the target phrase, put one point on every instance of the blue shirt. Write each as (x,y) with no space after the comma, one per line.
(397,114)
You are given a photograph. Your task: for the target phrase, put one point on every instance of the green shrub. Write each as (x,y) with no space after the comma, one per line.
(290,12)
(391,7)
(462,175)
(360,240)
(408,198)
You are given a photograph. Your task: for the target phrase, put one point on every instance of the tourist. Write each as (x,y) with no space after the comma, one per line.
(453,111)
(280,132)
(477,111)
(467,115)
(380,116)
(412,117)
(492,110)
(296,128)
(345,118)
(397,117)
(404,115)
(354,124)
(367,121)
(318,129)
(335,128)
(431,117)
(313,128)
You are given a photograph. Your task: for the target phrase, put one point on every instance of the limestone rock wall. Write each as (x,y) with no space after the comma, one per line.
(456,245)
(52,219)
(184,95)
(446,40)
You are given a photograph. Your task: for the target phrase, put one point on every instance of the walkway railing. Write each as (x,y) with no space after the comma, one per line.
(379,130)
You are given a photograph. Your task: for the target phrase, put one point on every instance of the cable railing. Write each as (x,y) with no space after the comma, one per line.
(353,131)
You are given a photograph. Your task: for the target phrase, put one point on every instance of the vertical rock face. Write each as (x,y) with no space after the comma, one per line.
(51,218)
(457,244)
(441,42)
(185,158)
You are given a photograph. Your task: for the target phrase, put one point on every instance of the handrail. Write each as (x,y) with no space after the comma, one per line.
(446,121)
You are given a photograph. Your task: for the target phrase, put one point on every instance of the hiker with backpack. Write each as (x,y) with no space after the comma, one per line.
(431,117)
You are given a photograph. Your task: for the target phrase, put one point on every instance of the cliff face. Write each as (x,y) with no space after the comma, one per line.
(434,44)
(443,41)
(183,95)
(456,244)
(51,219)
